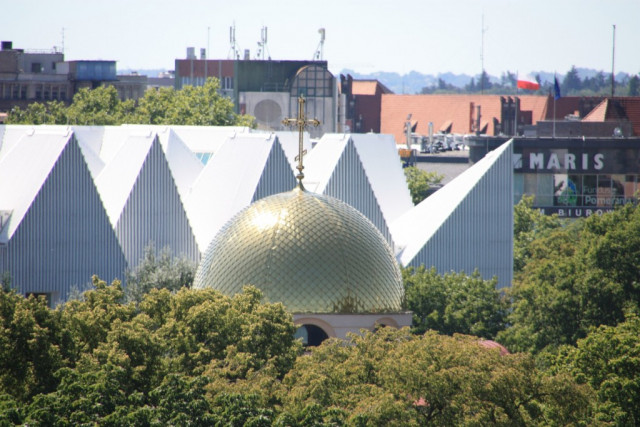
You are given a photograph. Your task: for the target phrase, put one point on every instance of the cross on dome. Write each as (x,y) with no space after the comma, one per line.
(301,122)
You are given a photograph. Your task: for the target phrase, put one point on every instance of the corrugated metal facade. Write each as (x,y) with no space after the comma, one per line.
(479,231)
(154,214)
(65,237)
(350,184)
(276,176)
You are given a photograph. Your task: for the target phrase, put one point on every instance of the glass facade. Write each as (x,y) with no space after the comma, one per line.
(313,81)
(577,178)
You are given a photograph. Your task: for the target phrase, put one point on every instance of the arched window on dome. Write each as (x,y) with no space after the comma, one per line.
(311,335)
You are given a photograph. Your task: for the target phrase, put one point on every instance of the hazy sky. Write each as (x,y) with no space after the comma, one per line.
(427,36)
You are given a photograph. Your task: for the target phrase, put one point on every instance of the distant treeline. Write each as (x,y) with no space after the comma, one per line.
(570,84)
(576,82)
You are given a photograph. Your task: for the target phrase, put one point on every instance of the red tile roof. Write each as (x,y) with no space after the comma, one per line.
(598,114)
(364,87)
(440,109)
(615,109)
(570,105)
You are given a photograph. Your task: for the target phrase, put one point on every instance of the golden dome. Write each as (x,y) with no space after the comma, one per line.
(313,253)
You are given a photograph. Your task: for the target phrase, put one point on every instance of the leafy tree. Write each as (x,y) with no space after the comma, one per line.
(202,106)
(571,81)
(529,224)
(421,182)
(158,270)
(484,82)
(634,86)
(30,350)
(192,357)
(51,112)
(454,303)
(608,359)
(99,106)
(579,276)
(597,83)
(392,377)
(471,87)
(440,87)
(5,281)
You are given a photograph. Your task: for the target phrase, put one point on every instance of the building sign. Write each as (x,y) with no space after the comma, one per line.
(575,178)
(556,162)
(577,158)
(580,212)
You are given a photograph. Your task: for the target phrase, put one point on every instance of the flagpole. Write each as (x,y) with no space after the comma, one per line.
(554,106)
(515,108)
(554,117)
(556,95)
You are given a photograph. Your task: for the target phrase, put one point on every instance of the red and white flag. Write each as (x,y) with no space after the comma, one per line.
(529,85)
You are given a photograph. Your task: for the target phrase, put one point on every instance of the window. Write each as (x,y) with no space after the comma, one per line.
(311,335)
(313,81)
(36,67)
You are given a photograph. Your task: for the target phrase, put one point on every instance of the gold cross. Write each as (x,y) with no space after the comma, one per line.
(301,122)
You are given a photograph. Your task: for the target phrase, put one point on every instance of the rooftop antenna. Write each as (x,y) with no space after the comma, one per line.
(319,50)
(262,44)
(483,30)
(63,40)
(232,40)
(613,58)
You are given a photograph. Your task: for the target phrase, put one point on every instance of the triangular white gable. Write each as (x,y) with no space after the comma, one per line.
(381,162)
(154,213)
(465,225)
(334,168)
(117,178)
(23,170)
(185,166)
(90,137)
(231,180)
(64,236)
(275,178)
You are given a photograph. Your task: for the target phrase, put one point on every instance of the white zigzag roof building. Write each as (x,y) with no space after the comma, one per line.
(82,200)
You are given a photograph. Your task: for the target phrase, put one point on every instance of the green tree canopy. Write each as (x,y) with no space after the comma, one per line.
(421,182)
(529,224)
(158,271)
(454,303)
(608,359)
(392,377)
(579,276)
(102,360)
(201,106)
